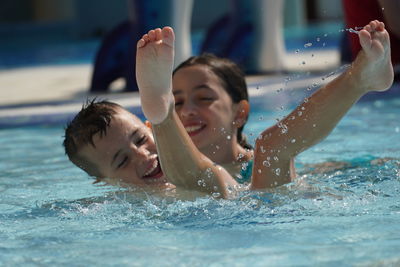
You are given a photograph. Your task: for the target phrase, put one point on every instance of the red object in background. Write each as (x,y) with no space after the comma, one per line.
(359,13)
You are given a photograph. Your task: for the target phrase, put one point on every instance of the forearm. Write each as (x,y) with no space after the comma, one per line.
(318,115)
(184,164)
(307,125)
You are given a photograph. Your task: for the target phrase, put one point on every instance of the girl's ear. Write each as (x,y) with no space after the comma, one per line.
(242,113)
(148,124)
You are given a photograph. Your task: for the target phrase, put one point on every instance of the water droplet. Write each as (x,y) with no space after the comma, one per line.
(228,137)
(383,8)
(266,163)
(352,30)
(330,74)
(278,171)
(323,44)
(276,158)
(325,35)
(318,39)
(293,140)
(259,171)
(314,125)
(216,194)
(297,51)
(201,183)
(284,128)
(307,45)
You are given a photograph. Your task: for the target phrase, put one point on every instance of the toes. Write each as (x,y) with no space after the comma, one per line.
(381,26)
(141,43)
(152,35)
(168,35)
(146,38)
(158,34)
(365,39)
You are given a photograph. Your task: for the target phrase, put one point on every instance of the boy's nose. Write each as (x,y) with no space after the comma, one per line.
(139,154)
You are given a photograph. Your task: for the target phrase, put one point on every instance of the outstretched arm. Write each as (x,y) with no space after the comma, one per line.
(181,161)
(313,120)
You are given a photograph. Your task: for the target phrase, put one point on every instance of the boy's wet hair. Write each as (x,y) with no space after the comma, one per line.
(94,117)
(232,78)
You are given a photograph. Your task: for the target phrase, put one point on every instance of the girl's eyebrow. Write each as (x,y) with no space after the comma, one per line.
(197,87)
(134,132)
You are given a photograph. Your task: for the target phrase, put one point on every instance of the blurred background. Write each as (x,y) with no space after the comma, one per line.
(77,19)
(69,31)
(69,48)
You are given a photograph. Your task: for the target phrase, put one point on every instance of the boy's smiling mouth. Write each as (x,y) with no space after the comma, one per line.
(154,170)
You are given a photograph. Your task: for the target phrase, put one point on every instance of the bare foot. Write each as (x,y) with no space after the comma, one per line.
(154,65)
(373,63)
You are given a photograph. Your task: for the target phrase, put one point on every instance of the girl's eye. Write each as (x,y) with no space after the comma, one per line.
(178,103)
(122,163)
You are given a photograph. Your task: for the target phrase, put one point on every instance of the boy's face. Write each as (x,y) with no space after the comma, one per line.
(127,153)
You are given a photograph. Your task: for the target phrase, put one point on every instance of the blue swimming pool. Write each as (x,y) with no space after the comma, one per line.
(52,215)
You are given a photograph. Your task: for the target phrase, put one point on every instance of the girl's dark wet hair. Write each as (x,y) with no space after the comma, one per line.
(94,117)
(232,78)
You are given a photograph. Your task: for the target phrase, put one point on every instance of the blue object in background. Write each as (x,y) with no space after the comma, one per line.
(116,58)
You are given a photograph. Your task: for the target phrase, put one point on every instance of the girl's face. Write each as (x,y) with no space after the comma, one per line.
(205,108)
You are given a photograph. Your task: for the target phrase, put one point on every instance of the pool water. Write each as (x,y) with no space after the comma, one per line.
(52,215)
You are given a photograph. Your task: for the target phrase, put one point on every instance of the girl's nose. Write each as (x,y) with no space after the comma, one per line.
(188,109)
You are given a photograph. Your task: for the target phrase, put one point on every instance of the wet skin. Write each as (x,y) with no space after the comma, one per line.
(206,111)
(126,153)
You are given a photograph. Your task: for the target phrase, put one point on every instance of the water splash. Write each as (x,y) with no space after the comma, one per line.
(356,30)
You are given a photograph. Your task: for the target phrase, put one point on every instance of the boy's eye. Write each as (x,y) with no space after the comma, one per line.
(122,163)
(141,140)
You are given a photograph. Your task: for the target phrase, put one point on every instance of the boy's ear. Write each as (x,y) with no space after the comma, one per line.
(242,113)
(148,124)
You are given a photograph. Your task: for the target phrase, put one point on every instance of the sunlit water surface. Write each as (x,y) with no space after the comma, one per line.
(51,214)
